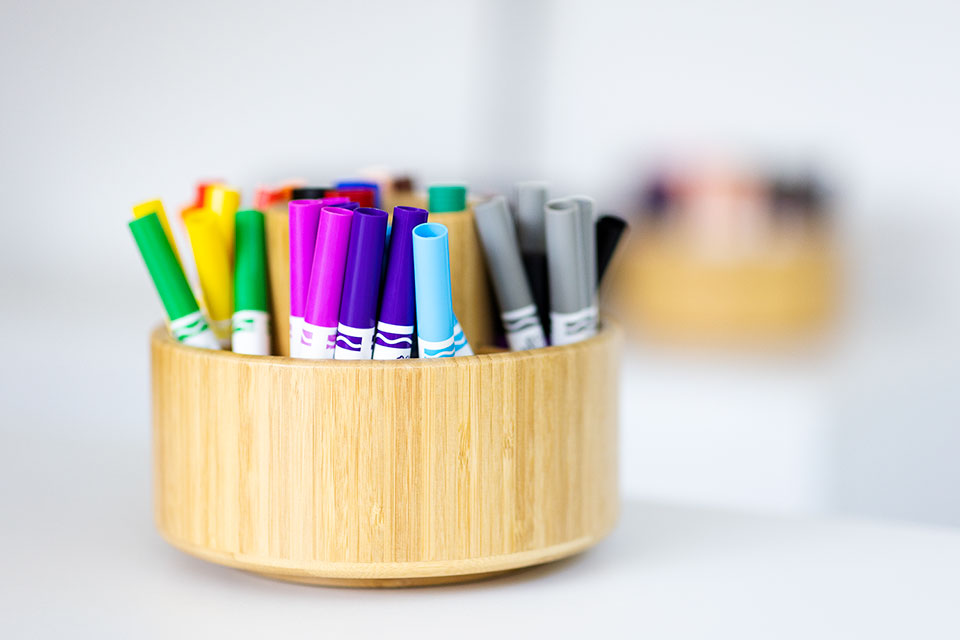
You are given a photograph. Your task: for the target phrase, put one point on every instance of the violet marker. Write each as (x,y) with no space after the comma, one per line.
(318,335)
(361,285)
(304,219)
(398,310)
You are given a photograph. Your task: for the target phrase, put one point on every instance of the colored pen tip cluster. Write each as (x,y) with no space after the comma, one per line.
(365,283)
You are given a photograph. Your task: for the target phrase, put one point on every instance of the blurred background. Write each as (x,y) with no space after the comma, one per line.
(699,121)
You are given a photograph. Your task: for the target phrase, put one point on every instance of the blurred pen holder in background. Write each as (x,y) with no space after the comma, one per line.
(728,259)
(372,473)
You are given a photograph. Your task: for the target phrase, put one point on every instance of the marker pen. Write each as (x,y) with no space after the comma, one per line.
(309,193)
(460,344)
(201,192)
(361,285)
(531,233)
(156,206)
(572,266)
(431,270)
(609,230)
(446,198)
(363,197)
(251,319)
(394,339)
(185,320)
(304,218)
(350,185)
(223,201)
(318,336)
(213,269)
(518,311)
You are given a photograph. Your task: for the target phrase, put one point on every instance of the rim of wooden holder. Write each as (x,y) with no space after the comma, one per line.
(492,481)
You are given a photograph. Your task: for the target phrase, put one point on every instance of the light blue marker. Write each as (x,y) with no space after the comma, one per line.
(431,273)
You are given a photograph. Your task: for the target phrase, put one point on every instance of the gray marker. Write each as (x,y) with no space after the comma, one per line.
(517,307)
(572,268)
(531,197)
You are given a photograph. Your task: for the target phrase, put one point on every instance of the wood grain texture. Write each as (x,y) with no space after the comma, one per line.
(385,473)
(472,296)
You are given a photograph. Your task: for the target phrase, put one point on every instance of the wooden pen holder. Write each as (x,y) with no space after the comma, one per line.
(472,301)
(369,473)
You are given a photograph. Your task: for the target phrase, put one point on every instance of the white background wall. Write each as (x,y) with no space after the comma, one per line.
(108,103)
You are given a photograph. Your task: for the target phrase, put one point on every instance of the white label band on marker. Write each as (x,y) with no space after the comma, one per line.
(317,343)
(193,330)
(523,328)
(251,332)
(354,343)
(460,342)
(439,349)
(296,326)
(567,328)
(393,341)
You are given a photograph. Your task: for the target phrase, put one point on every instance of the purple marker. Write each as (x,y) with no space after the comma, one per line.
(304,218)
(318,336)
(361,285)
(398,311)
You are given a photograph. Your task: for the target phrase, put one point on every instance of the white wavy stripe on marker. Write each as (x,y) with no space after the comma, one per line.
(193,330)
(251,332)
(317,343)
(567,328)
(523,329)
(387,348)
(439,349)
(460,341)
(354,343)
(296,326)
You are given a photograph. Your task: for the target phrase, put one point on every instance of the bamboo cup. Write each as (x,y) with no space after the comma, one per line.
(372,473)
(472,300)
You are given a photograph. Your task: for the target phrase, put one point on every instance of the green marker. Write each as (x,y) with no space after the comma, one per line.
(447,198)
(251,321)
(186,322)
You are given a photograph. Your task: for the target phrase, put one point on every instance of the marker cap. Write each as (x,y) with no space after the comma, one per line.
(329,261)
(304,219)
(213,264)
(531,198)
(250,277)
(444,198)
(308,193)
(431,267)
(350,185)
(571,254)
(499,239)
(364,197)
(398,305)
(361,279)
(223,201)
(156,206)
(164,268)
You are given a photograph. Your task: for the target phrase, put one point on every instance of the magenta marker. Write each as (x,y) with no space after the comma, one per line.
(318,335)
(304,218)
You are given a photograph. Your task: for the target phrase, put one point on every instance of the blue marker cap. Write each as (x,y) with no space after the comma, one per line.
(431,270)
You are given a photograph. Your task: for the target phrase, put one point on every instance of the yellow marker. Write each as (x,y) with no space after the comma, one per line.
(155,206)
(225,202)
(213,267)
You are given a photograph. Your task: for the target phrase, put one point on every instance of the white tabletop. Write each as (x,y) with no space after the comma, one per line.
(82,558)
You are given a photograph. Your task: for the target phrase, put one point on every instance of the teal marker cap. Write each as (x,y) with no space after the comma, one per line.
(250,279)
(445,198)
(432,287)
(164,268)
